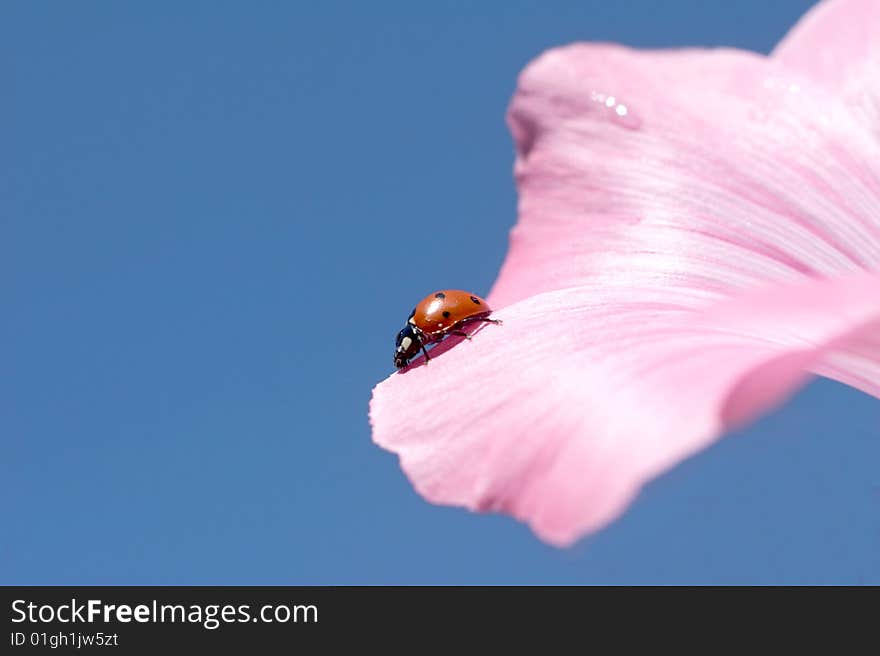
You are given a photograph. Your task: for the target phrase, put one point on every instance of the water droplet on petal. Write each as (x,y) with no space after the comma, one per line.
(616,110)
(778,88)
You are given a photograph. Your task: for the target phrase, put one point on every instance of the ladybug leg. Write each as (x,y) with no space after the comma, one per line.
(427,357)
(460,333)
(497,322)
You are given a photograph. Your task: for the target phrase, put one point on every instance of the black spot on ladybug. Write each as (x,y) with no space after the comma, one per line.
(476,300)
(446,314)
(439,295)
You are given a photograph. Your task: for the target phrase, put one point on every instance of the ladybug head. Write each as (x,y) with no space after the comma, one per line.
(408,344)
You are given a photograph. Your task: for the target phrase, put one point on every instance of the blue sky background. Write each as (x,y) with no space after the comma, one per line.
(214,218)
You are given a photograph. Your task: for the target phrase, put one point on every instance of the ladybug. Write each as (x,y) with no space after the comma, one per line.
(436,316)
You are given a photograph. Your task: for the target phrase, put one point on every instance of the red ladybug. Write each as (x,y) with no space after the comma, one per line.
(436,316)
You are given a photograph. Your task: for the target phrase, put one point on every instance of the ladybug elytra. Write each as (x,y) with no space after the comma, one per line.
(436,316)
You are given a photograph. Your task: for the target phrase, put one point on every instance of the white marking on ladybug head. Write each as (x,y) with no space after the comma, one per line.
(405,343)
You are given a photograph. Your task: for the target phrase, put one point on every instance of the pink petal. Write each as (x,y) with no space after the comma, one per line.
(727,182)
(833,40)
(837,46)
(561,414)
(698,231)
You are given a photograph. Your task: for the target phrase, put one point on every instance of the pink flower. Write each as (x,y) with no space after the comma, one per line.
(699,232)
